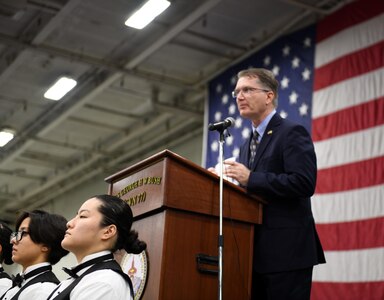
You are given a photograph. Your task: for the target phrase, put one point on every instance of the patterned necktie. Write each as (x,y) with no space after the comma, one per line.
(252,148)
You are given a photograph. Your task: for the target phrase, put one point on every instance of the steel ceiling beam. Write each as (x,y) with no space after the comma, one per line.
(173,32)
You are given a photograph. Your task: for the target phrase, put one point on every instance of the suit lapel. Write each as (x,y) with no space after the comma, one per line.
(272,127)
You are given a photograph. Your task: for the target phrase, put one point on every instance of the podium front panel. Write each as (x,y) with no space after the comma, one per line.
(175,238)
(175,204)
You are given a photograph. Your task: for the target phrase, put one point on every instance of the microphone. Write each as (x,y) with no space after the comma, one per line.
(220,126)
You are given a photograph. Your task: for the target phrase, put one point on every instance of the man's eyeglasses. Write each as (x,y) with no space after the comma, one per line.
(18,235)
(246,91)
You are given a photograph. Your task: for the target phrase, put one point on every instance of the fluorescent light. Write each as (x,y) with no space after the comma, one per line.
(147,13)
(5,136)
(60,88)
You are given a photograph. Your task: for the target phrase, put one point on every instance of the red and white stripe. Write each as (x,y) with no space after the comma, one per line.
(348,131)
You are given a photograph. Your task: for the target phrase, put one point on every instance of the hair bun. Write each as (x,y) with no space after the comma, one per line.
(133,244)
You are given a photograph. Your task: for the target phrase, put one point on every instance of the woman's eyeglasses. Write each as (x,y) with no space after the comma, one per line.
(18,235)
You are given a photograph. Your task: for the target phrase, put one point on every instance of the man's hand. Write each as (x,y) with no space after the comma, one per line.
(237,171)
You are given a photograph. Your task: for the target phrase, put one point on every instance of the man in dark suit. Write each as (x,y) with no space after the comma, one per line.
(278,163)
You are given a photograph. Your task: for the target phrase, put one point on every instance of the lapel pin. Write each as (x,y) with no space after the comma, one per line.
(269,132)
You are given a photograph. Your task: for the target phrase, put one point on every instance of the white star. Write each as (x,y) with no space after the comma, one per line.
(275,70)
(286,50)
(307,42)
(284,82)
(238,122)
(246,133)
(232,109)
(233,80)
(283,114)
(219,88)
(236,152)
(217,116)
(306,74)
(214,146)
(293,97)
(295,62)
(303,109)
(224,99)
(229,140)
(267,60)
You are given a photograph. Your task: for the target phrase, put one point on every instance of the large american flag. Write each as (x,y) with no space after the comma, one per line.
(332,81)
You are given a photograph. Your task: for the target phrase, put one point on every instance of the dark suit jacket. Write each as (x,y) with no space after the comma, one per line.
(284,174)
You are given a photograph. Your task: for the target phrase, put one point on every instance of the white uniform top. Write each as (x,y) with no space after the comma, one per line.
(99,285)
(5,284)
(36,291)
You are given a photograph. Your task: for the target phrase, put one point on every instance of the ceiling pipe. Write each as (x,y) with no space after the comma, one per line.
(306,6)
(89,174)
(93,167)
(61,175)
(173,32)
(91,61)
(133,63)
(317,8)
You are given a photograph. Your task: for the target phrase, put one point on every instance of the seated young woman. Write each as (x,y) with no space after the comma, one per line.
(36,246)
(101,227)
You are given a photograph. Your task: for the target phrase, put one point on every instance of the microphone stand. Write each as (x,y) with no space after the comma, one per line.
(220,127)
(221,237)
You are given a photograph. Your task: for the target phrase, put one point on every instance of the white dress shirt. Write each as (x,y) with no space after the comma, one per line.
(5,284)
(99,285)
(37,291)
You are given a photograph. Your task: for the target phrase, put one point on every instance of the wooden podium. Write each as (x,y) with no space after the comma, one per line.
(175,204)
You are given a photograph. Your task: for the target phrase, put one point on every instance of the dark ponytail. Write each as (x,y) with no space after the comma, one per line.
(117,212)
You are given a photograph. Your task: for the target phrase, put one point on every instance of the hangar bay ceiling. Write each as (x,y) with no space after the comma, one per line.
(138,91)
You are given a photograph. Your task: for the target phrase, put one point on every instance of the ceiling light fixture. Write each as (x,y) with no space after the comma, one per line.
(150,10)
(6,135)
(60,88)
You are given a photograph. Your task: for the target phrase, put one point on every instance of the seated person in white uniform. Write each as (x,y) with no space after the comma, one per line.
(36,247)
(5,257)
(101,227)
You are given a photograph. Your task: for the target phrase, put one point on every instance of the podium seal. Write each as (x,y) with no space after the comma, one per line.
(136,266)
